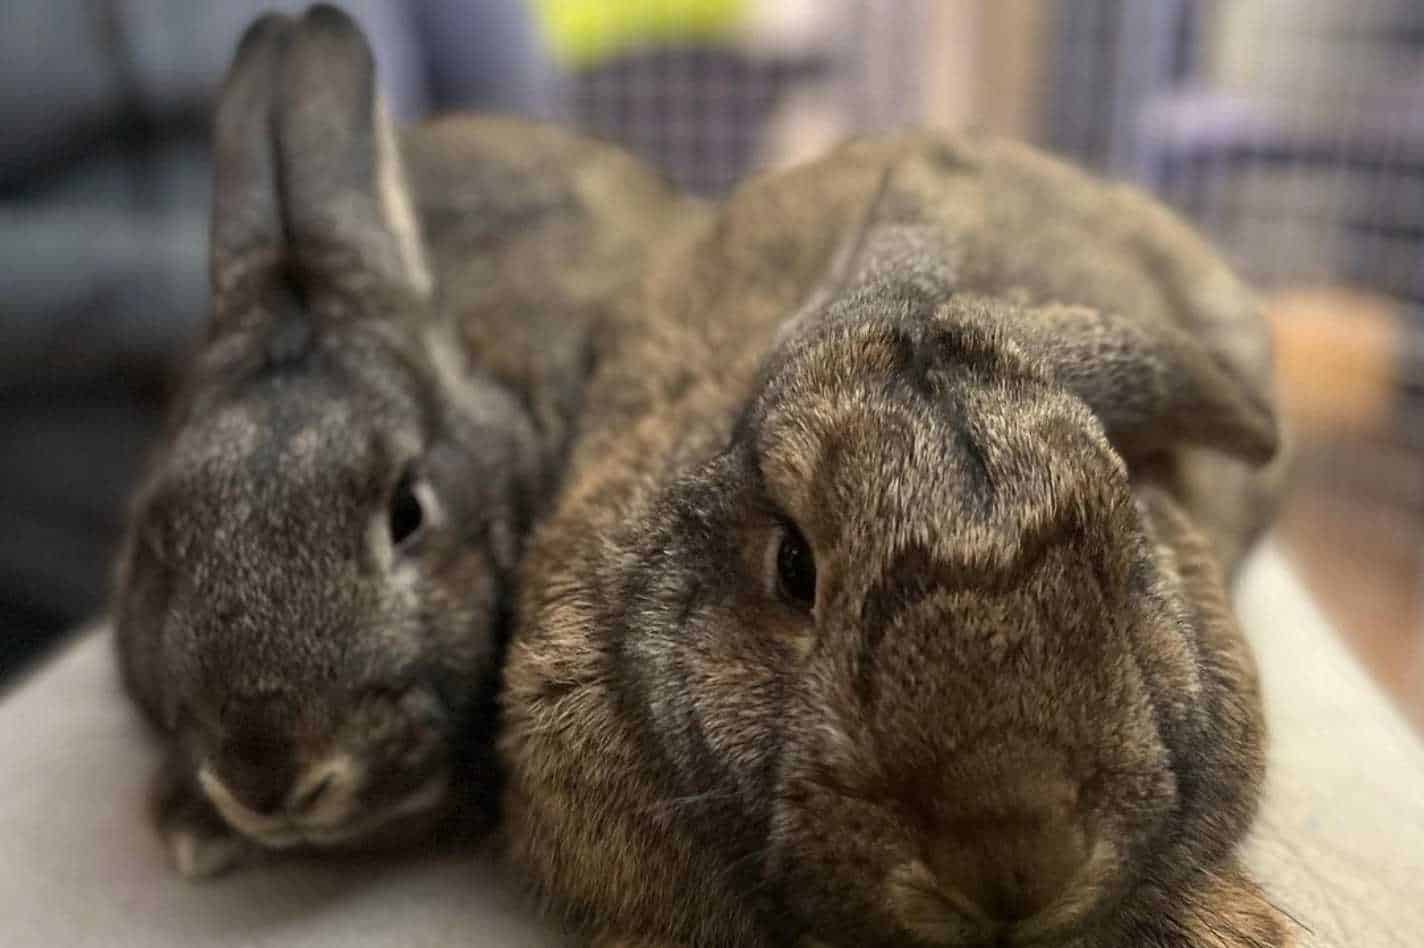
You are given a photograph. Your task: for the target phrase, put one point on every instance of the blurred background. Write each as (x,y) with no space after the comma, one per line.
(1291,131)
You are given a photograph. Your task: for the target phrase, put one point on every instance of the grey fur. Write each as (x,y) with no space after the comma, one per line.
(368,321)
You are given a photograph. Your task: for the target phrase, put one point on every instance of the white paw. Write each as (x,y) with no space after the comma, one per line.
(198,856)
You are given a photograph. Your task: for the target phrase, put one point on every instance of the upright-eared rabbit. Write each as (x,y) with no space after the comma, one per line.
(879,607)
(311,595)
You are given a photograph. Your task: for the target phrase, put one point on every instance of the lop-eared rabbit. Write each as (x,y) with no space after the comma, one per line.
(312,597)
(885,601)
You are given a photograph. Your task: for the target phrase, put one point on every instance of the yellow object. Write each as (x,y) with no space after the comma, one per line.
(584,32)
(1339,353)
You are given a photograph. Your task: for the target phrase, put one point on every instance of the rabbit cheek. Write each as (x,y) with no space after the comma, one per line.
(832,840)
(829,853)
(402,747)
(466,585)
(369,794)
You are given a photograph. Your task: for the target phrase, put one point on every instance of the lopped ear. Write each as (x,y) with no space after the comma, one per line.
(1152,385)
(845,268)
(247,234)
(348,211)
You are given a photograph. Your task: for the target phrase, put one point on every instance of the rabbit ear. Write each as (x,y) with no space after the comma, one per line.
(1151,385)
(247,233)
(346,205)
(842,266)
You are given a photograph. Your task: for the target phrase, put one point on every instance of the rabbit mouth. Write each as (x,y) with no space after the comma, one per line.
(941,914)
(334,826)
(423,801)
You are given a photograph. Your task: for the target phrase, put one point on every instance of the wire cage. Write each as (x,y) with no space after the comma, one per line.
(1292,131)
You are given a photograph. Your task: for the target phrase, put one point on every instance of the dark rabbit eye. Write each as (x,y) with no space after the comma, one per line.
(406,514)
(796,568)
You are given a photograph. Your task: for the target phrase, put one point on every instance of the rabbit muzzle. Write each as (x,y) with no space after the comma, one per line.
(970,768)
(387,764)
(321,808)
(1026,865)
(1017,872)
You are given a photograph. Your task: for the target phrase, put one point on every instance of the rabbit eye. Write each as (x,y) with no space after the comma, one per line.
(796,568)
(406,513)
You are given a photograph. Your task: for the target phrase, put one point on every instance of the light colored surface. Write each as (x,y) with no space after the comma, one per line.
(1341,840)
(81,866)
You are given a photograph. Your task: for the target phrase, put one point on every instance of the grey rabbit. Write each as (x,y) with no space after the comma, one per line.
(879,607)
(312,594)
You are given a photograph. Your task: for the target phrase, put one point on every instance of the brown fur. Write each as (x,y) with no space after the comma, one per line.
(1019,710)
(435,316)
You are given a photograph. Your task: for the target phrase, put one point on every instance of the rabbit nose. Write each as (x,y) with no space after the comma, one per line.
(1011,850)
(259,781)
(1013,867)
(255,799)
(325,793)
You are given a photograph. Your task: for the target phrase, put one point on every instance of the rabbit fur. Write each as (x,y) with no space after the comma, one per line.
(884,602)
(313,592)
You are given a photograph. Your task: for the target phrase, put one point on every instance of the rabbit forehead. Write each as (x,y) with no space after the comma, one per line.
(279,447)
(266,501)
(865,437)
(271,601)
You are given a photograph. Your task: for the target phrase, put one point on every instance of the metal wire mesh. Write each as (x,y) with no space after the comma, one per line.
(1292,131)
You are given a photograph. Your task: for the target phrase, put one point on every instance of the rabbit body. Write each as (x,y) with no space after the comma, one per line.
(879,606)
(311,598)
(531,230)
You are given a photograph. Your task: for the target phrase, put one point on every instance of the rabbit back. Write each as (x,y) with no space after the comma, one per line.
(533,231)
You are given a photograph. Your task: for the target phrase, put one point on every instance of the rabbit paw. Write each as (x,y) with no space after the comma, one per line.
(200,844)
(199,855)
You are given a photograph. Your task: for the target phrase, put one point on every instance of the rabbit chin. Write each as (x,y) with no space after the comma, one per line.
(335,821)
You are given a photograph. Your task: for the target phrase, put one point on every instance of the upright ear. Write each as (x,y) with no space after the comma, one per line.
(247,234)
(1152,385)
(349,215)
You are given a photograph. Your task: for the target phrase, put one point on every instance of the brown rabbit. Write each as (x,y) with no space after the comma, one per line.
(872,612)
(310,601)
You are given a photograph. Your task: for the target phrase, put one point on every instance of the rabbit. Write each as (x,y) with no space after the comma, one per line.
(872,611)
(312,595)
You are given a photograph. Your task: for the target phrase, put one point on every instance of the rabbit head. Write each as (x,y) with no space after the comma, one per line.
(905,655)
(309,595)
